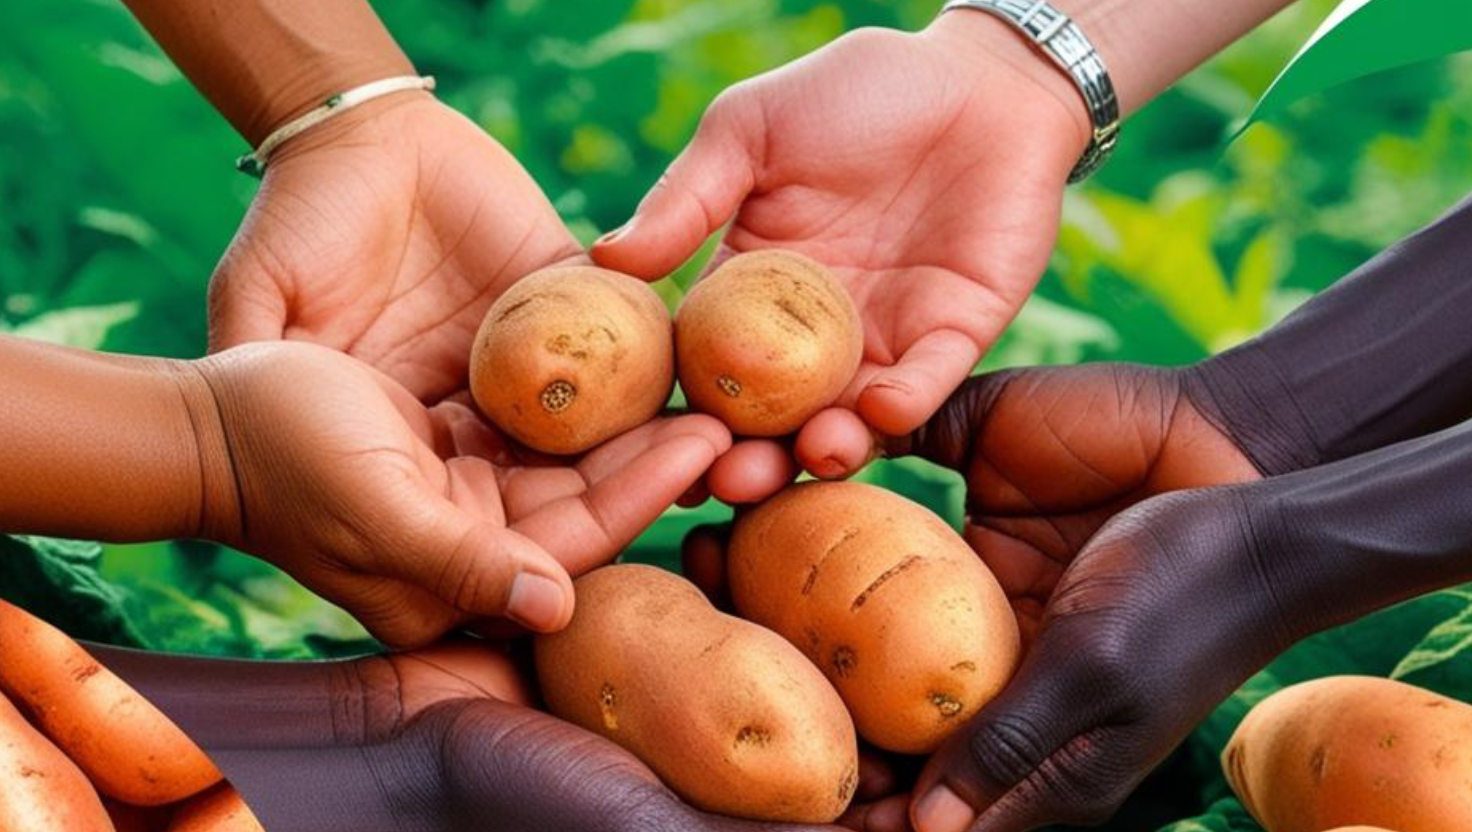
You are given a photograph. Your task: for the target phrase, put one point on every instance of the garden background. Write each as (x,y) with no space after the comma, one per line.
(117,196)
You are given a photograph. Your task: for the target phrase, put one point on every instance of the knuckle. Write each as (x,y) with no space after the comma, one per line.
(1005,750)
(646,807)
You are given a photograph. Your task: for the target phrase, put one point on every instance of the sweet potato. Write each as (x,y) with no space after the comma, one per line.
(40,789)
(127,747)
(895,608)
(729,715)
(220,809)
(1354,750)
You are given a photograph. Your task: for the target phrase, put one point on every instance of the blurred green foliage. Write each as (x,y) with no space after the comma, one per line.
(117,196)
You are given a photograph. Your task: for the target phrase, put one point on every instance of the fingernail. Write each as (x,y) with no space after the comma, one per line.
(942,811)
(616,233)
(828,468)
(888,815)
(536,602)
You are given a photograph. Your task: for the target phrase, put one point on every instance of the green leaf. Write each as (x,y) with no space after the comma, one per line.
(84,327)
(58,581)
(1363,37)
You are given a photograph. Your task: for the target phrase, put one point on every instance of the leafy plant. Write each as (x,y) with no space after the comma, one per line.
(1183,245)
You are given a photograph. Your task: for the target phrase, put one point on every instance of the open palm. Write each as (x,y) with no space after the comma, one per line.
(386,234)
(1051,454)
(930,181)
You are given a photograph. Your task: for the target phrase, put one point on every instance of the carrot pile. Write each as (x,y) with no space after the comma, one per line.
(81,751)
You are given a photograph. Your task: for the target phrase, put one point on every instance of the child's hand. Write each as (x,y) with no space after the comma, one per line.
(419,520)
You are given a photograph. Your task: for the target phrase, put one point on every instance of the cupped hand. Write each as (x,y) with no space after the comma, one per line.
(1050,457)
(421,520)
(1165,612)
(926,169)
(1050,454)
(386,233)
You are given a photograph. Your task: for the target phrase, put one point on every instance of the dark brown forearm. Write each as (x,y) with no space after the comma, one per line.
(99,446)
(263,62)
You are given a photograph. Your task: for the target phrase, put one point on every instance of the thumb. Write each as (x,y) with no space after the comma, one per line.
(948,437)
(899,398)
(485,570)
(245,304)
(700,192)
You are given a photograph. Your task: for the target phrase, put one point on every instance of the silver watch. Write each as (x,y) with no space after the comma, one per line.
(1061,39)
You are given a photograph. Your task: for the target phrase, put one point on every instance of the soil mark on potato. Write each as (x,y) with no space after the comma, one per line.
(863,597)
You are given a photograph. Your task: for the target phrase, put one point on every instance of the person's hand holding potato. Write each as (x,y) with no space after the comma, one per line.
(1068,471)
(442,738)
(927,170)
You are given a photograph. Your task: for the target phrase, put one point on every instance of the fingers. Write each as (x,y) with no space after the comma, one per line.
(835,444)
(483,570)
(888,814)
(591,528)
(751,471)
(1027,759)
(700,192)
(244,305)
(703,562)
(948,437)
(900,398)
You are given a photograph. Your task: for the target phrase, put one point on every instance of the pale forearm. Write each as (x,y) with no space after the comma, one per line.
(99,446)
(1149,44)
(262,62)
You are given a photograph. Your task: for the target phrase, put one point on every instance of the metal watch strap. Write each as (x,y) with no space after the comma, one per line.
(1064,42)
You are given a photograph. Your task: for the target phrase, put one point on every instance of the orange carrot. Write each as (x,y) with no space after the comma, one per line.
(218,810)
(40,789)
(127,747)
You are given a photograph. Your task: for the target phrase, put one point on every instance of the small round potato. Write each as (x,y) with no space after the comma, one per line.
(570,357)
(766,341)
(729,715)
(1354,750)
(888,601)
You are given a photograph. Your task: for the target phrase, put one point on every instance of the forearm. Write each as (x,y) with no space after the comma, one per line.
(262,62)
(297,739)
(1150,44)
(104,447)
(1380,357)
(1342,540)
(1147,45)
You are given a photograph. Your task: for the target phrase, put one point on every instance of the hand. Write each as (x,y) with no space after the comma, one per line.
(1051,454)
(418,521)
(386,233)
(1159,618)
(927,169)
(523,769)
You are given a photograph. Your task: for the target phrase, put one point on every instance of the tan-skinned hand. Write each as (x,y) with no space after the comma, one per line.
(421,520)
(926,169)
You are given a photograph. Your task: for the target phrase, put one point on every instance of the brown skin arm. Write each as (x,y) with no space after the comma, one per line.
(263,62)
(103,446)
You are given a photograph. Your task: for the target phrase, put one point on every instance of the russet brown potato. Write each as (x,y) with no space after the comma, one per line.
(570,357)
(1354,750)
(729,715)
(128,748)
(892,605)
(766,341)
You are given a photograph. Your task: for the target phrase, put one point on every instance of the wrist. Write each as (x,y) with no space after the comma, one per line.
(354,125)
(309,87)
(219,515)
(1242,395)
(972,41)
